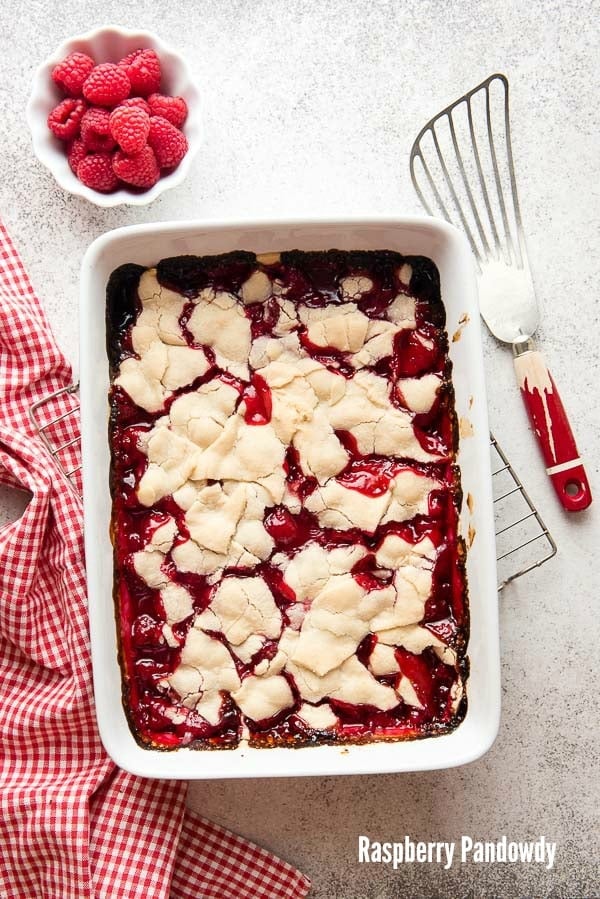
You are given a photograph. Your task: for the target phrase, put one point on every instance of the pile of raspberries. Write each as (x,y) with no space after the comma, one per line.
(118,129)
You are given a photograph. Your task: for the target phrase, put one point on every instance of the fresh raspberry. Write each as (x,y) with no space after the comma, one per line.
(140,170)
(173,109)
(70,74)
(96,171)
(65,119)
(76,151)
(106,85)
(138,102)
(169,144)
(130,127)
(95,129)
(143,70)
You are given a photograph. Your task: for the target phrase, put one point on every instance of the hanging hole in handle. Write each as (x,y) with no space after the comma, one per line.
(573,488)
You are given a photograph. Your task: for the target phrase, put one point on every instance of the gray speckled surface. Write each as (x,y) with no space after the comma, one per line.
(311,108)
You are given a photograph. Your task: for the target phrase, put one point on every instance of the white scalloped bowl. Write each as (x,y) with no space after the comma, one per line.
(110,44)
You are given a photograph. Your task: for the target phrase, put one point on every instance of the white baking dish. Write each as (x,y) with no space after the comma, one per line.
(146,244)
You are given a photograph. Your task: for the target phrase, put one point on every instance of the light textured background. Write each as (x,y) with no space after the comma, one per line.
(311,108)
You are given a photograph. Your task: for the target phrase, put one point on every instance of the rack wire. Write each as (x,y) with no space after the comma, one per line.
(523,542)
(56,419)
(519,526)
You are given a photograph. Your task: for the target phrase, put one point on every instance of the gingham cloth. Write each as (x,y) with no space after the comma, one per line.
(72,825)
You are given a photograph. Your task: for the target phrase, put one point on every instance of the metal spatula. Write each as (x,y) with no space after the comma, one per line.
(462,169)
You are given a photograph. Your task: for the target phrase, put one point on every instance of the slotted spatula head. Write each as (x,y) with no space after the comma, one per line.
(462,169)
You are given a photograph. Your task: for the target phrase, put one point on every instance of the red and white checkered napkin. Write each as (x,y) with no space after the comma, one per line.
(72,825)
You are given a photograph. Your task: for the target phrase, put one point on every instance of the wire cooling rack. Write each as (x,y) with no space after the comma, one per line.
(523,541)
(56,419)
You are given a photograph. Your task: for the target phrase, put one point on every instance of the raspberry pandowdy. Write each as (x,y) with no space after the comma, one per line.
(288,569)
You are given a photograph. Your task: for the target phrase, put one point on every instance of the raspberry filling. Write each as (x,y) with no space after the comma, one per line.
(427,682)
(257,397)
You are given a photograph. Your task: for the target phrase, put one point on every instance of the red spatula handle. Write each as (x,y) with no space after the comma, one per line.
(551,425)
